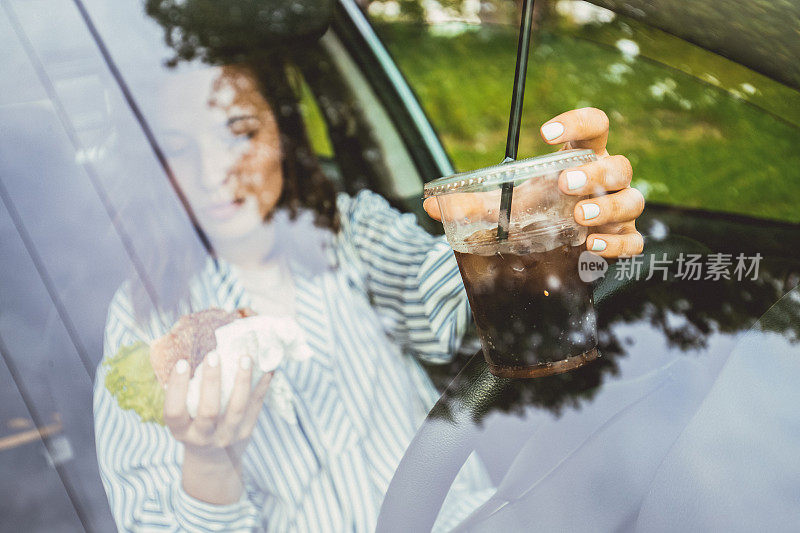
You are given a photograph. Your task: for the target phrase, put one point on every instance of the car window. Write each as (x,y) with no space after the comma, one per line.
(603,447)
(139,157)
(103,218)
(700,130)
(364,138)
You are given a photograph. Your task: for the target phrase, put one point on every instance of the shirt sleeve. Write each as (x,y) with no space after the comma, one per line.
(140,463)
(412,277)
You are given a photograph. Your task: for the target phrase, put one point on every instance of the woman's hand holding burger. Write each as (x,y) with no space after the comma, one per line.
(214,441)
(216,367)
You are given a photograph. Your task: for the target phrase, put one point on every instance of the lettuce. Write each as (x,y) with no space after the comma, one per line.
(131,380)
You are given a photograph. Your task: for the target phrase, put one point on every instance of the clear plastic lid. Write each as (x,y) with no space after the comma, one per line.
(489,178)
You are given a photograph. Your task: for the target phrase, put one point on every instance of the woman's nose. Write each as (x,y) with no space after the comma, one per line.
(215,168)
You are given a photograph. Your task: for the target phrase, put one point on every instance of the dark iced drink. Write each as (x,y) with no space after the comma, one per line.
(534,314)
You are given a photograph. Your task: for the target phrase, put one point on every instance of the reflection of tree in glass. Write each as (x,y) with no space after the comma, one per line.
(687,312)
(236,30)
(682,313)
(761,34)
(488,11)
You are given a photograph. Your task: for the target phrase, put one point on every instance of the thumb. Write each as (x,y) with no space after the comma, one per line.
(431,207)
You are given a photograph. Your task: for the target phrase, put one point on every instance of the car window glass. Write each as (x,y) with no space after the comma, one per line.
(700,130)
(133,193)
(710,141)
(108,180)
(362,126)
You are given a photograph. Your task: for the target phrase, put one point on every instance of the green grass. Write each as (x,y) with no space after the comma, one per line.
(692,143)
(315,124)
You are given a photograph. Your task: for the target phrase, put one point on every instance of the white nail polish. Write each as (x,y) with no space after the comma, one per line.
(245,362)
(182,366)
(599,245)
(552,130)
(576,179)
(590,211)
(212,359)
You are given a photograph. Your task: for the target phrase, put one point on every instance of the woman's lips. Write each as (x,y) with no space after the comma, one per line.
(223,210)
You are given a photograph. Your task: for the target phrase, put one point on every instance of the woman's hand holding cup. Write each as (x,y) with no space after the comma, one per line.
(613,206)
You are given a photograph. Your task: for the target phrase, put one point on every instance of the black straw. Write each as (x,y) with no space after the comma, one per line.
(514,119)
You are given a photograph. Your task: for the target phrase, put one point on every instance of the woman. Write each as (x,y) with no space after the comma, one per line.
(363,282)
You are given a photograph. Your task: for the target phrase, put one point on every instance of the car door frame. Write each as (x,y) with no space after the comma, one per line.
(362,43)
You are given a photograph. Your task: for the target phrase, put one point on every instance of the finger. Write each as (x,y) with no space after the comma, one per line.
(237,405)
(616,228)
(208,405)
(431,207)
(620,245)
(581,128)
(608,174)
(621,206)
(176,417)
(459,206)
(254,406)
(466,207)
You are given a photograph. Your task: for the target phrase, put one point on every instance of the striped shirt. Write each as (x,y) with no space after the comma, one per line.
(393,290)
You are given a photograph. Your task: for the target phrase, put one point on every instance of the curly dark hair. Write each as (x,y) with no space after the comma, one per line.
(305,185)
(263,36)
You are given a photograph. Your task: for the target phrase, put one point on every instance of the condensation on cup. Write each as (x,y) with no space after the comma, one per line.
(535,316)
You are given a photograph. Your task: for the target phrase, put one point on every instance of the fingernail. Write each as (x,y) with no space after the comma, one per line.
(599,245)
(576,179)
(552,130)
(245,362)
(590,211)
(182,366)
(212,359)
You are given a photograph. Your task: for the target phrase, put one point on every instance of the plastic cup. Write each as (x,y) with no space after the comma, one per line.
(534,314)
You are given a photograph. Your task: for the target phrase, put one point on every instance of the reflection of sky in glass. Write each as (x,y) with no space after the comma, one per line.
(710,429)
(83,206)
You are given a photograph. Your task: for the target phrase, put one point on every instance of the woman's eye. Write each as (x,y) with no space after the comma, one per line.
(242,133)
(245,126)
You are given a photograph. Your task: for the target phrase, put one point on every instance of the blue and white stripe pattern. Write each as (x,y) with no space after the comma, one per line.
(394,290)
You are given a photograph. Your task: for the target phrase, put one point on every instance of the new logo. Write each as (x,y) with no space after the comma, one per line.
(591,267)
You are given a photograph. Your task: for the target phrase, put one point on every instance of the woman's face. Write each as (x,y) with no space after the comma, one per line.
(223,144)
